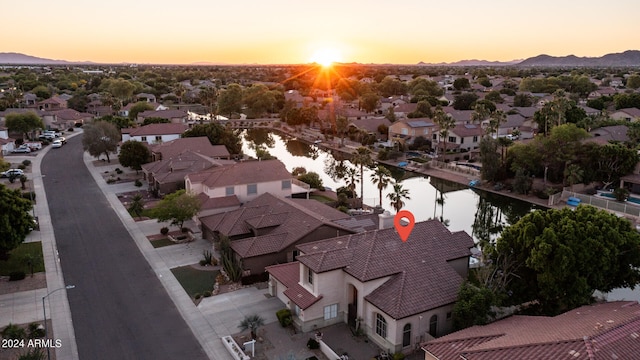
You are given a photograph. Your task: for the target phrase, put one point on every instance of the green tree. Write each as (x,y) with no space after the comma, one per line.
(24,122)
(613,161)
(461,83)
(473,306)
(259,100)
(217,135)
(560,257)
(573,174)
(313,179)
(177,207)
(15,220)
(155,120)
(464,101)
(361,158)
(42,92)
(369,101)
(494,96)
(490,158)
(397,196)
(230,100)
(137,108)
(522,100)
(342,125)
(497,118)
(119,121)
(381,177)
(137,205)
(480,113)
(445,124)
(134,154)
(633,82)
(121,89)
(100,138)
(251,323)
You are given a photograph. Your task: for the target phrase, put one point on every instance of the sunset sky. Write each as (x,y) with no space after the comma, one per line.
(288,31)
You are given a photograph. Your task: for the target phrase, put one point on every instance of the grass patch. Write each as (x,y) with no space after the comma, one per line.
(16,261)
(149,213)
(321,198)
(194,281)
(162,243)
(419,160)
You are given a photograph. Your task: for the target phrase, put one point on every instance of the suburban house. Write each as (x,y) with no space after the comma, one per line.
(246,180)
(600,331)
(200,145)
(53,103)
(168,175)
(266,230)
(398,293)
(402,110)
(63,119)
(607,134)
(174,116)
(463,137)
(127,108)
(371,125)
(628,114)
(7,144)
(405,130)
(154,133)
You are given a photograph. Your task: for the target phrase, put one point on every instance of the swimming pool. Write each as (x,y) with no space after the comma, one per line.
(609,195)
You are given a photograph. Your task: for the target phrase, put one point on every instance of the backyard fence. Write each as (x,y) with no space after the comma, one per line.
(598,201)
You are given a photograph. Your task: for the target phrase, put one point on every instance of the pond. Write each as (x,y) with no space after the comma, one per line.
(480,214)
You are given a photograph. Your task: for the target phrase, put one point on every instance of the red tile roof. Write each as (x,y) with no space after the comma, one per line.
(248,172)
(200,145)
(420,277)
(158,129)
(600,331)
(289,275)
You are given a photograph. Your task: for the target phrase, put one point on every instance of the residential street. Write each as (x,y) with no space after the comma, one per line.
(120,309)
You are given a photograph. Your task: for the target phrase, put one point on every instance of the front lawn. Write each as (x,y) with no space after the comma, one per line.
(195,281)
(161,243)
(17,259)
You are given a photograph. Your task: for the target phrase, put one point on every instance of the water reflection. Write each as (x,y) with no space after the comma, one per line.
(480,214)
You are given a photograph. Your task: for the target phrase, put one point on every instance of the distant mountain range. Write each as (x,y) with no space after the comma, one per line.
(627,58)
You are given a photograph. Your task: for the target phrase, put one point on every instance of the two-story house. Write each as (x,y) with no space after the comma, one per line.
(627,114)
(246,180)
(397,293)
(463,137)
(406,130)
(174,116)
(154,133)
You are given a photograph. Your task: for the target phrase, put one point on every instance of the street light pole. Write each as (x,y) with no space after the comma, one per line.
(44,311)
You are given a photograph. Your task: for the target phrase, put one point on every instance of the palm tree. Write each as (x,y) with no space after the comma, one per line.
(362,157)
(350,176)
(342,125)
(497,118)
(504,144)
(398,196)
(574,174)
(137,205)
(252,323)
(381,177)
(479,114)
(445,123)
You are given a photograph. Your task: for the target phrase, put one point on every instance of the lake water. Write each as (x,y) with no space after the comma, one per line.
(480,214)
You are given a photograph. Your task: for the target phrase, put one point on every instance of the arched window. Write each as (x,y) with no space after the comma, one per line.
(406,335)
(381,326)
(433,325)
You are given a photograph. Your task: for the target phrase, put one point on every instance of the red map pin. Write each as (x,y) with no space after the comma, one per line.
(404,230)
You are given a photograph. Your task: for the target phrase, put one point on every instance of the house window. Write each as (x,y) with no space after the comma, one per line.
(426,131)
(381,326)
(461,140)
(452,139)
(286,184)
(475,139)
(406,335)
(309,276)
(405,131)
(229,190)
(158,138)
(433,325)
(143,138)
(331,312)
(252,189)
(449,316)
(434,137)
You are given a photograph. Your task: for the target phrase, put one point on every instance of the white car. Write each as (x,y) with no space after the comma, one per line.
(56,144)
(12,172)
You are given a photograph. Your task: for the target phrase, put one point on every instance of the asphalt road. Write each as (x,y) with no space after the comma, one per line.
(120,310)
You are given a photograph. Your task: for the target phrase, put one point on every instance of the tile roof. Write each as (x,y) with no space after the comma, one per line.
(164,114)
(289,275)
(600,331)
(415,267)
(200,145)
(467,130)
(158,129)
(248,172)
(177,168)
(273,223)
(208,203)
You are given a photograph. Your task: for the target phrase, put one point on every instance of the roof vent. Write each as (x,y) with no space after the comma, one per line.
(634,335)
(574,353)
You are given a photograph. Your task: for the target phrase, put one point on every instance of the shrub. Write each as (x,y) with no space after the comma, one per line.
(214,261)
(207,293)
(118,171)
(138,183)
(197,296)
(16,275)
(71,129)
(26,162)
(164,230)
(22,167)
(313,344)
(111,181)
(28,195)
(36,331)
(398,356)
(13,331)
(284,317)
(621,194)
(203,262)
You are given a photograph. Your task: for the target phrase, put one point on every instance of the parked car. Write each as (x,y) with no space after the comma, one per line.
(56,143)
(47,136)
(62,139)
(22,149)
(11,172)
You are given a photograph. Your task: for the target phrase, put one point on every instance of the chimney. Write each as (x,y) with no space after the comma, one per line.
(385,220)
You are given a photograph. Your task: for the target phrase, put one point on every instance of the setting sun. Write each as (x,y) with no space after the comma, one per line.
(326,56)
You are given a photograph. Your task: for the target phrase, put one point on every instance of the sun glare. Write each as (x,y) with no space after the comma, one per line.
(326,56)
